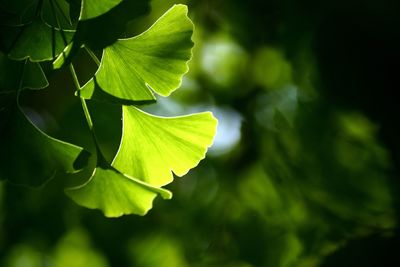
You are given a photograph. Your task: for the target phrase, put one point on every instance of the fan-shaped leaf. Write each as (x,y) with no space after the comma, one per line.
(91,90)
(37,41)
(152,146)
(19,74)
(28,156)
(56,13)
(116,194)
(104,30)
(94,8)
(156,58)
(33,76)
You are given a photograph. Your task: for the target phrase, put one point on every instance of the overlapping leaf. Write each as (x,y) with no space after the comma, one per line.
(94,8)
(153,146)
(156,58)
(150,149)
(38,30)
(20,74)
(56,13)
(33,76)
(102,31)
(36,41)
(116,194)
(28,156)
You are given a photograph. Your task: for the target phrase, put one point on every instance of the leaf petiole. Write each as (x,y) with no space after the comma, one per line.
(92,55)
(100,158)
(83,101)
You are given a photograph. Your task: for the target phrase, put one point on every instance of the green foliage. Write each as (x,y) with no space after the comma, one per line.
(37,155)
(116,194)
(156,58)
(174,144)
(25,74)
(38,42)
(131,71)
(303,171)
(91,9)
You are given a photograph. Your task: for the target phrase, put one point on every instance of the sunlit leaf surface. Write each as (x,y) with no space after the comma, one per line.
(156,58)
(94,8)
(116,194)
(153,147)
(150,149)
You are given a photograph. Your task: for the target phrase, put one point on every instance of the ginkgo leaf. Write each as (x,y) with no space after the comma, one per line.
(37,41)
(102,31)
(91,90)
(155,59)
(33,76)
(28,156)
(116,194)
(152,146)
(20,74)
(94,8)
(65,56)
(56,14)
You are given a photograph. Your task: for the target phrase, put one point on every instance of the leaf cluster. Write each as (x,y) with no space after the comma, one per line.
(45,36)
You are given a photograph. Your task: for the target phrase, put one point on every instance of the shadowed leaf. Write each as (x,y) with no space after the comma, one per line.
(28,156)
(11,73)
(104,30)
(56,13)
(36,41)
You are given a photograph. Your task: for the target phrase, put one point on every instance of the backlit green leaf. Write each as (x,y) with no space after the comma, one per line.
(91,90)
(116,194)
(28,156)
(94,8)
(155,59)
(65,56)
(152,146)
(150,149)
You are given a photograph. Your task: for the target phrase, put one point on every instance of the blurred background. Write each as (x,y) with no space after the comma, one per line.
(304,170)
